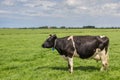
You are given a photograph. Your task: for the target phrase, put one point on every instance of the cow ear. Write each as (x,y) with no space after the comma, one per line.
(55,35)
(50,35)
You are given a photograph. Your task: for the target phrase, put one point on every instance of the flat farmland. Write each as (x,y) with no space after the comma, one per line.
(23,58)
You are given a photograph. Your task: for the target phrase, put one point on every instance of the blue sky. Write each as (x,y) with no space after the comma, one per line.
(35,13)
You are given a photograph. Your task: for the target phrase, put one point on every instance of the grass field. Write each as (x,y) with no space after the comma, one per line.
(23,58)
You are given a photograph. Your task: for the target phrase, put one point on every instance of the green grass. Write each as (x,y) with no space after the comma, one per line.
(23,58)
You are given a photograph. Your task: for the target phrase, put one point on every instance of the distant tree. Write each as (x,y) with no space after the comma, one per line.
(62,27)
(88,26)
(53,27)
(43,27)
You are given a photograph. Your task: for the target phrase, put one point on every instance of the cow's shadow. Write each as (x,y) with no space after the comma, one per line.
(81,68)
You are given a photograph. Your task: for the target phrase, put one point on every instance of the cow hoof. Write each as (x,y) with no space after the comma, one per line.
(71,71)
(103,69)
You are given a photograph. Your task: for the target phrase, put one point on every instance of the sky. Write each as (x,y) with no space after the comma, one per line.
(70,13)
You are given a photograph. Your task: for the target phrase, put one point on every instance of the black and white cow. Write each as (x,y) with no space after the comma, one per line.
(95,47)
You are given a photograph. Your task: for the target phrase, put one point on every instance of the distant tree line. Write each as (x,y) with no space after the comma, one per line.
(65,27)
(88,26)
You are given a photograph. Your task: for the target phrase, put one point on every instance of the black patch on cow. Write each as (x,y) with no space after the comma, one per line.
(65,47)
(85,45)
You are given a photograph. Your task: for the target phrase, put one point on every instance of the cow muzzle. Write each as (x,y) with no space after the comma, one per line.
(43,45)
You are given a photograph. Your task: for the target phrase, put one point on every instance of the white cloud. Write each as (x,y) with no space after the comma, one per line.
(32,13)
(39,8)
(8,2)
(111,5)
(93,7)
(72,2)
(64,8)
(111,9)
(22,0)
(4,12)
(40,3)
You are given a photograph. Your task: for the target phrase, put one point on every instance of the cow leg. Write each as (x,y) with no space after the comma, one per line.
(97,58)
(70,64)
(96,55)
(104,59)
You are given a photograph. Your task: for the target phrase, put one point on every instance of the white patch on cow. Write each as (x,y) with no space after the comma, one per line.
(70,37)
(55,43)
(102,36)
(96,54)
(75,51)
(97,57)
(103,56)
(104,59)
(70,61)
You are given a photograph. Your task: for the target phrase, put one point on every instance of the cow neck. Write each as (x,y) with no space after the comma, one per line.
(53,48)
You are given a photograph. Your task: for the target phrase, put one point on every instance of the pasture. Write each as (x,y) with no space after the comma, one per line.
(23,58)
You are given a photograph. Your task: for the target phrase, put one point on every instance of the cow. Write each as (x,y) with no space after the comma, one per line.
(85,47)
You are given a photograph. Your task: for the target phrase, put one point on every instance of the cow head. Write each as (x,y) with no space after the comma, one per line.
(49,43)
